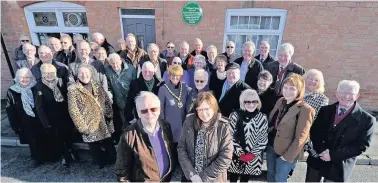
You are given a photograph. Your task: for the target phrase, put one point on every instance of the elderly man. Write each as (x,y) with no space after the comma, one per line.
(153,55)
(94,47)
(147,82)
(121,45)
(146,151)
(249,66)
(230,52)
(187,59)
(102,56)
(46,56)
(133,54)
(231,90)
(29,51)
(18,52)
(55,45)
(98,70)
(284,67)
(102,42)
(341,132)
(77,38)
(264,56)
(119,74)
(198,48)
(212,52)
(67,55)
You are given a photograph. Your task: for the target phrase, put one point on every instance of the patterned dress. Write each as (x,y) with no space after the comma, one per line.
(256,138)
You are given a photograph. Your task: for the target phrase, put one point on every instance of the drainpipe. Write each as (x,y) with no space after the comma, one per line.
(7,56)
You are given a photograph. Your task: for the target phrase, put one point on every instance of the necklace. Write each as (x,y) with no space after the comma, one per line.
(179,103)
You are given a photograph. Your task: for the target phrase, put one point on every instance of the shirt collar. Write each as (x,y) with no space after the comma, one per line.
(157,127)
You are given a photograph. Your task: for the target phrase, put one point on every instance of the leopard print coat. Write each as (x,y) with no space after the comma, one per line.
(91,113)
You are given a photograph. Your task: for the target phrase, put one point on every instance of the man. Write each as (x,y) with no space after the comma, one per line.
(102,42)
(232,88)
(341,132)
(55,46)
(119,74)
(121,45)
(249,66)
(18,52)
(281,69)
(133,54)
(147,82)
(102,56)
(230,52)
(146,151)
(67,55)
(29,51)
(264,55)
(198,48)
(212,52)
(187,59)
(153,55)
(46,56)
(77,38)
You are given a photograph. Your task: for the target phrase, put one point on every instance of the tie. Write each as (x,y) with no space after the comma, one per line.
(281,68)
(341,111)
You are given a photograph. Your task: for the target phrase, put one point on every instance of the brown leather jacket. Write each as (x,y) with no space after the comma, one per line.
(218,149)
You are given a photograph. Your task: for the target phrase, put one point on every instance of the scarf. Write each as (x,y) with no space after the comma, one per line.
(221,75)
(26,97)
(150,84)
(53,85)
(244,117)
(200,149)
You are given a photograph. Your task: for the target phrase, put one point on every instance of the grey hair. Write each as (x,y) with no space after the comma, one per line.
(66,36)
(148,64)
(85,65)
(198,40)
(99,48)
(177,59)
(349,83)
(93,44)
(201,72)
(44,47)
(286,47)
(149,47)
(142,97)
(22,71)
(28,44)
(251,44)
(84,42)
(211,47)
(184,43)
(113,56)
(77,36)
(265,41)
(316,73)
(230,42)
(98,35)
(200,57)
(45,66)
(130,35)
(249,92)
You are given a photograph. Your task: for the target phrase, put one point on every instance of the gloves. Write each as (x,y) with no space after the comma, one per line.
(196,178)
(247,157)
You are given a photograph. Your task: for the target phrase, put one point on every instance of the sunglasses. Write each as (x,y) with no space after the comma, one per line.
(251,102)
(229,47)
(24,40)
(178,63)
(200,81)
(170,47)
(145,111)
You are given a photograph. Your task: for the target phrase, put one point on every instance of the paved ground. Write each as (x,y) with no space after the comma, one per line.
(15,166)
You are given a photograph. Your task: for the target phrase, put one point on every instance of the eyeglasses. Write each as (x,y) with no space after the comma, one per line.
(251,102)
(229,47)
(200,81)
(202,110)
(145,111)
(24,40)
(170,47)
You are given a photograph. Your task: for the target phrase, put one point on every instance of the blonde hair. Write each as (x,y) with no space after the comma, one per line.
(245,94)
(316,73)
(175,70)
(297,81)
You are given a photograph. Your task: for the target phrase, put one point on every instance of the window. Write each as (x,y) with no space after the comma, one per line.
(255,25)
(48,19)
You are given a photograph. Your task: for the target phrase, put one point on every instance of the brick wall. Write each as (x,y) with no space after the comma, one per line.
(338,38)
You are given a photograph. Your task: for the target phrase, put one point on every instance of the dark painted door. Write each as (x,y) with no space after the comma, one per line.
(142,28)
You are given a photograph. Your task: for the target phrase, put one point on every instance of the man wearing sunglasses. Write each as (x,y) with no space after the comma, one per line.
(146,151)
(230,52)
(18,52)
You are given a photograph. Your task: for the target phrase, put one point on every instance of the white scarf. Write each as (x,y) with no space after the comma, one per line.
(222,75)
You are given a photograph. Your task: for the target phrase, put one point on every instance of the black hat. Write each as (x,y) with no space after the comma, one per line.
(232,65)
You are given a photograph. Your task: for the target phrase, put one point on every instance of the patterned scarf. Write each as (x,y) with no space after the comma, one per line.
(200,149)
(222,75)
(26,97)
(53,85)
(150,84)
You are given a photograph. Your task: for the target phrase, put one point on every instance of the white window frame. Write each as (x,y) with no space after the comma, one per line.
(58,8)
(255,12)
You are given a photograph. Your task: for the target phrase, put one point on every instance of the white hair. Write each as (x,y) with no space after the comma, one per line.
(77,36)
(198,40)
(44,47)
(245,94)
(21,72)
(113,57)
(201,72)
(230,42)
(200,57)
(85,43)
(98,35)
(144,95)
(250,44)
(184,43)
(266,42)
(286,47)
(148,64)
(149,47)
(211,47)
(177,59)
(350,84)
(28,44)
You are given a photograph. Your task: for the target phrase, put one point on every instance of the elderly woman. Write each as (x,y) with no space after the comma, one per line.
(29,51)
(218,77)
(175,100)
(160,64)
(249,66)
(201,79)
(187,59)
(102,56)
(23,117)
(170,52)
(50,96)
(91,111)
(314,90)
(55,45)
(205,147)
(249,128)
(198,48)
(199,63)
(133,54)
(230,52)
(284,67)
(211,54)
(177,61)
(119,74)
(266,93)
(67,55)
(289,126)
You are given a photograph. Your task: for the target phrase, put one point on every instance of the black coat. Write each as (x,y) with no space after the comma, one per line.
(232,57)
(273,68)
(203,53)
(108,47)
(268,100)
(350,138)
(269,59)
(230,101)
(66,58)
(61,70)
(216,85)
(136,86)
(254,69)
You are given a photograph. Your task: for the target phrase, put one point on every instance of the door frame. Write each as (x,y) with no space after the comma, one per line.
(132,16)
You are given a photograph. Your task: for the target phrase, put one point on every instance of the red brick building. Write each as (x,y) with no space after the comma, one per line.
(338,38)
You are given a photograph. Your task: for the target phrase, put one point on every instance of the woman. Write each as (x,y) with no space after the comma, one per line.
(205,147)
(174,100)
(68,54)
(22,116)
(249,128)
(51,105)
(211,54)
(91,111)
(314,91)
(199,63)
(201,79)
(185,76)
(289,126)
(218,77)
(266,93)
(170,52)
(230,52)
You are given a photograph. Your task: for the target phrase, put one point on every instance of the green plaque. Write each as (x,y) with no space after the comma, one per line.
(192,13)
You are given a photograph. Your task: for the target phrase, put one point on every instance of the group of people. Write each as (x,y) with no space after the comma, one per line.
(186,116)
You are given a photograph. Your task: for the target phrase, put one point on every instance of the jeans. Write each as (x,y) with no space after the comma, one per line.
(278,169)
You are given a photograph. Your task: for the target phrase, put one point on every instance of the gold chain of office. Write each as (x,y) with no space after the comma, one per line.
(179,103)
